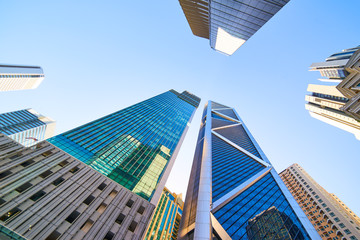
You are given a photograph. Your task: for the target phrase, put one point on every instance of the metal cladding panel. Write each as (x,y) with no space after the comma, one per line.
(261,212)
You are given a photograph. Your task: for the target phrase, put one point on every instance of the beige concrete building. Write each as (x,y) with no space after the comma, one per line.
(337,105)
(45,193)
(329,215)
(18,77)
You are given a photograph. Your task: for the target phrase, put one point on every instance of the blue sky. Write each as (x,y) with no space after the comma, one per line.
(99,57)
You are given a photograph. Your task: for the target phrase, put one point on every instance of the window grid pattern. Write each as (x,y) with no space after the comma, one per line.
(242,18)
(238,136)
(249,211)
(22,126)
(131,146)
(227,175)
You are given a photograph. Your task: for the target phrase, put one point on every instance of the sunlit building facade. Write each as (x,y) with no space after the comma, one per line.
(331,218)
(18,77)
(98,181)
(137,146)
(338,103)
(166,218)
(233,191)
(228,24)
(27,126)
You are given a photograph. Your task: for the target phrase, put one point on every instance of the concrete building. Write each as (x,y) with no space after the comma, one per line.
(27,126)
(329,215)
(18,77)
(337,105)
(234,191)
(166,218)
(228,24)
(101,180)
(45,193)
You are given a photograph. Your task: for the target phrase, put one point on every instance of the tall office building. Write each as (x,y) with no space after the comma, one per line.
(27,126)
(137,146)
(330,216)
(228,24)
(337,105)
(18,77)
(166,218)
(234,192)
(104,178)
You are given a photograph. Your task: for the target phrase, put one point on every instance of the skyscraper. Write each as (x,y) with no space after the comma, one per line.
(166,218)
(104,178)
(137,146)
(330,216)
(234,192)
(228,24)
(27,126)
(18,77)
(337,105)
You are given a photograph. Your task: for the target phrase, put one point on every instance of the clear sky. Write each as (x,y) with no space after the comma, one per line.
(99,57)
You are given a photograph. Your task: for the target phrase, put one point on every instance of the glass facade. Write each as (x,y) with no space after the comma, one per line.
(133,146)
(23,126)
(245,198)
(166,218)
(227,23)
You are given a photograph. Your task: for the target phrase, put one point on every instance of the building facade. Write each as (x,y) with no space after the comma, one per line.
(166,218)
(27,126)
(337,104)
(228,24)
(234,192)
(137,146)
(329,215)
(45,193)
(18,77)
(97,181)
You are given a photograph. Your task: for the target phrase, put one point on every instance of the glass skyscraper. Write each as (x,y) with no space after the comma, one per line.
(234,192)
(136,147)
(228,24)
(27,126)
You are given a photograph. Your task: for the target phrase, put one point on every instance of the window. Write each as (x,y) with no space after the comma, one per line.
(27,163)
(328,209)
(101,208)
(324,205)
(74,170)
(141,210)
(5,174)
(132,226)
(53,236)
(63,163)
(89,199)
(37,195)
(120,218)
(347,231)
(10,214)
(87,225)
(130,203)
(109,236)
(24,187)
(332,214)
(71,218)
(337,219)
(46,174)
(341,225)
(353,238)
(102,186)
(58,181)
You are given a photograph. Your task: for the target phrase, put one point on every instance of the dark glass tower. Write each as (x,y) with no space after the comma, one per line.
(234,192)
(136,147)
